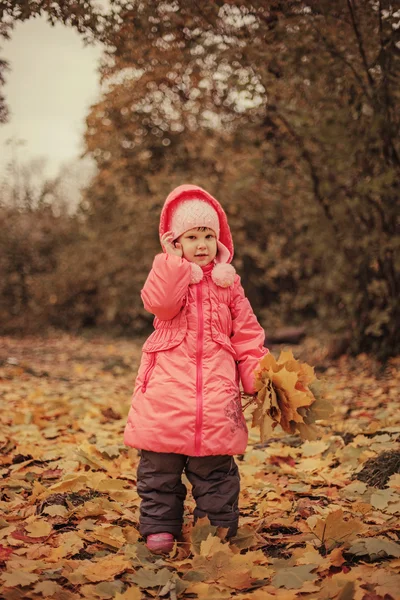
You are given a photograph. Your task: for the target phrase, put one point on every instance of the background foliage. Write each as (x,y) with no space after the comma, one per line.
(287,111)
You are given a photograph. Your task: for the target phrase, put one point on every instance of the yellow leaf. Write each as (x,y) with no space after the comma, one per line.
(111,485)
(39,528)
(200,532)
(283,397)
(110,535)
(56,510)
(131,534)
(48,588)
(71,483)
(68,543)
(132,593)
(37,490)
(19,578)
(212,545)
(106,568)
(89,455)
(313,448)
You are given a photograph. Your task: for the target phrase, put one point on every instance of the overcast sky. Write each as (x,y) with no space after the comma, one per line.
(52,83)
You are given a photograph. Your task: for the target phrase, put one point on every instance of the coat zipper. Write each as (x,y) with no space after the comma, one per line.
(199,370)
(148,371)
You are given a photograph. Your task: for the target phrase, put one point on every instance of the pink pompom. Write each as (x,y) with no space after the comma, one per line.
(223,275)
(197,273)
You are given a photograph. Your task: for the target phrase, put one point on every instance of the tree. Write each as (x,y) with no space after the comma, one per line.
(313,87)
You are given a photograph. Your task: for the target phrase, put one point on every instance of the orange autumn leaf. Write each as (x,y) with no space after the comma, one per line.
(106,568)
(284,397)
(335,530)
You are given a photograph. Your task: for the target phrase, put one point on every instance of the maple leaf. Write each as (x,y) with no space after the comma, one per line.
(294,577)
(285,398)
(132,593)
(375,548)
(148,578)
(200,532)
(91,512)
(245,538)
(106,568)
(39,528)
(48,588)
(19,578)
(334,530)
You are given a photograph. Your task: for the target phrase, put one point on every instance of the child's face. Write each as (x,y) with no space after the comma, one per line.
(199,246)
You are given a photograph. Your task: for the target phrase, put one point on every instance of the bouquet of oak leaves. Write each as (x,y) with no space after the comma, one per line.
(286,396)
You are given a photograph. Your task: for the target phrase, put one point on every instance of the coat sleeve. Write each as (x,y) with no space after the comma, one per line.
(247,337)
(166,286)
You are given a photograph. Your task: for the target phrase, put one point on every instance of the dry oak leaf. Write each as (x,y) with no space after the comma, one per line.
(106,568)
(334,530)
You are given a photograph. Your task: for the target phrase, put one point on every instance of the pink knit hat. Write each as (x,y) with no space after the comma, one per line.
(191,214)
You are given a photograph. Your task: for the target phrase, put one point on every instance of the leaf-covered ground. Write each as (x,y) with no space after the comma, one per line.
(69,507)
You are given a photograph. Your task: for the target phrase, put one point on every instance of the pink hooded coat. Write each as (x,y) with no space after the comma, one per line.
(206,340)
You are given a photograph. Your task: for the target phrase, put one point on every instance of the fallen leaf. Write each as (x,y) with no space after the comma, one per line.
(106,568)
(375,548)
(132,593)
(200,532)
(294,577)
(335,530)
(147,578)
(39,528)
(48,588)
(19,579)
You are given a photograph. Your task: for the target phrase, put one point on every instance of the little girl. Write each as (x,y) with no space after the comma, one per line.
(186,412)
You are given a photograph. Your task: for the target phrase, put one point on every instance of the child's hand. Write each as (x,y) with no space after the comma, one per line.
(167,241)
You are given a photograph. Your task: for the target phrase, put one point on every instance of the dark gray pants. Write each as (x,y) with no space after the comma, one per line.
(215,482)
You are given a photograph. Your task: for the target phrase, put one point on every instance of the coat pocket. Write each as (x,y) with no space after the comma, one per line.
(148,372)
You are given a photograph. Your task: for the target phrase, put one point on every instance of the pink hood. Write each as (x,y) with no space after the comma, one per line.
(188,192)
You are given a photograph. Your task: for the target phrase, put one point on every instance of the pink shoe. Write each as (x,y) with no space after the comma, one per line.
(160,543)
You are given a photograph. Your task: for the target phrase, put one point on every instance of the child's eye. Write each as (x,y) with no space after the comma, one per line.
(210,236)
